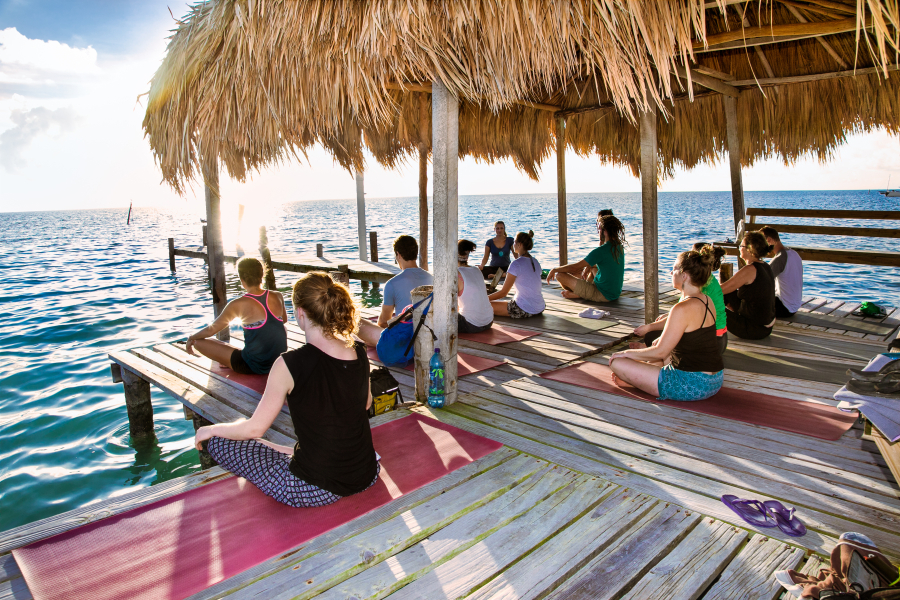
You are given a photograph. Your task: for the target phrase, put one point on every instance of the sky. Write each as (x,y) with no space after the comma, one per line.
(71,77)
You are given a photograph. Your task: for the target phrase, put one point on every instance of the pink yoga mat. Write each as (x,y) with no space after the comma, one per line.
(467,364)
(499,334)
(257,383)
(806,418)
(182,545)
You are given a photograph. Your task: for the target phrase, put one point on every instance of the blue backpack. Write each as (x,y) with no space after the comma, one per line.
(395,345)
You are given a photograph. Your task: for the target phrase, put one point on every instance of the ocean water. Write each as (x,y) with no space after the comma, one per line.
(81,284)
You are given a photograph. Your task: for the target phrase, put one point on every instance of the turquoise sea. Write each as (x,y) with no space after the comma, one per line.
(80,284)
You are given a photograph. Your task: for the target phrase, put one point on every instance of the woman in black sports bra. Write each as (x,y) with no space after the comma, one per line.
(262,314)
(695,371)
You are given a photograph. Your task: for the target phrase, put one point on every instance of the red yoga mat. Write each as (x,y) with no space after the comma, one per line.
(181,545)
(257,383)
(466,365)
(499,334)
(806,418)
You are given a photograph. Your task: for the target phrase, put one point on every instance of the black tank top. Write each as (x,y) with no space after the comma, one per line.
(265,340)
(334,450)
(758,298)
(698,350)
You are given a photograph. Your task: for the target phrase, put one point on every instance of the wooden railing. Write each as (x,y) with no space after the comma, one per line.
(881,258)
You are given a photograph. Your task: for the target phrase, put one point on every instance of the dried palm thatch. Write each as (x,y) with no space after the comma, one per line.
(252,82)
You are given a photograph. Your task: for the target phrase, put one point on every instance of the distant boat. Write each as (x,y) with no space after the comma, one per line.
(889,193)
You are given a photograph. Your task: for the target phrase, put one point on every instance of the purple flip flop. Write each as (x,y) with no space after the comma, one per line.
(785,519)
(752,511)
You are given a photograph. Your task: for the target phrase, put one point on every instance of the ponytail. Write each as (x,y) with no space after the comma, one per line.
(328,305)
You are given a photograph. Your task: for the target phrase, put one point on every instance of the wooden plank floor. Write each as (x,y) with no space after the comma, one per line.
(593,495)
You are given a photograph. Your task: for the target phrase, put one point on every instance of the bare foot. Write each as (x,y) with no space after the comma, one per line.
(637,345)
(569,295)
(616,381)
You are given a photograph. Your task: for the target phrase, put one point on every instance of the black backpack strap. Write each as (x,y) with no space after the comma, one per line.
(421,322)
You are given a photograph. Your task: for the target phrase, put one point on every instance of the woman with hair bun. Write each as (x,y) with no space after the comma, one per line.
(696,370)
(325,383)
(525,275)
(713,255)
(262,314)
(750,294)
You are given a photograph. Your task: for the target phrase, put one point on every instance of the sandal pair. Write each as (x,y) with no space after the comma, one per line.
(770,513)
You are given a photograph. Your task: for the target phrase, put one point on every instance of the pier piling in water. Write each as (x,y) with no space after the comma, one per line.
(206,460)
(266,258)
(373,245)
(172,254)
(342,275)
(320,250)
(137,402)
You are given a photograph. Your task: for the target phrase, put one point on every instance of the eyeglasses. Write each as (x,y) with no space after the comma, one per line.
(675,270)
(743,245)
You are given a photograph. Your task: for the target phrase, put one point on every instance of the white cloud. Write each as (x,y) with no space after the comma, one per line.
(16,50)
(27,125)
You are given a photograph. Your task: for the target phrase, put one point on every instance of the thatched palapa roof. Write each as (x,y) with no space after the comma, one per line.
(255,82)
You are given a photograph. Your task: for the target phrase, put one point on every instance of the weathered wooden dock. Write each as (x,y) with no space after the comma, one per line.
(594,495)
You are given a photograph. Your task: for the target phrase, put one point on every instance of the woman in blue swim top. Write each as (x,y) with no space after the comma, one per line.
(262,314)
(499,249)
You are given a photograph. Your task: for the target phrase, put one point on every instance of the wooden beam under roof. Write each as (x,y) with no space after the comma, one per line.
(770,34)
(708,82)
(828,48)
(763,82)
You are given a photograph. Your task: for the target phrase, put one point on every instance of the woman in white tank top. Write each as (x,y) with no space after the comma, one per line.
(475,312)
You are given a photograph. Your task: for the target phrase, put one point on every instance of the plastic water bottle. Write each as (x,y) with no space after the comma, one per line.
(436,389)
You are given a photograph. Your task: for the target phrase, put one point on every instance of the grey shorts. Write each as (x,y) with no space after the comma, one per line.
(517,313)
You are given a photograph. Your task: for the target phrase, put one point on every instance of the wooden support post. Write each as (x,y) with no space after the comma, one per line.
(423,207)
(342,275)
(373,245)
(205,237)
(725,272)
(649,213)
(320,250)
(445,157)
(214,248)
(424,346)
(361,214)
(734,160)
(206,461)
(561,190)
(137,403)
(266,258)
(172,254)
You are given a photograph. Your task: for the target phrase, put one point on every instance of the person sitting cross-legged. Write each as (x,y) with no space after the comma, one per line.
(397,289)
(475,313)
(599,276)
(325,383)
(787,267)
(685,364)
(750,294)
(652,331)
(262,314)
(525,276)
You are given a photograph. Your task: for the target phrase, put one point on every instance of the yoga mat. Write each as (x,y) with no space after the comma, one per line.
(795,416)
(785,366)
(181,545)
(499,334)
(558,323)
(466,363)
(257,383)
(844,323)
(553,293)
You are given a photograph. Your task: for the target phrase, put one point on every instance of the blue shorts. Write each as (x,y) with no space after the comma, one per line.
(675,384)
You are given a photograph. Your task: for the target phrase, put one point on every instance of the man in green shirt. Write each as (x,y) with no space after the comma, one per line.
(599,275)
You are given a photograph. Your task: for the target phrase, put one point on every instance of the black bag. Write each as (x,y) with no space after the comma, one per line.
(385,391)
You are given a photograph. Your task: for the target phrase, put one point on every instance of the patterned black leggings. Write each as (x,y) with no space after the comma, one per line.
(268,469)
